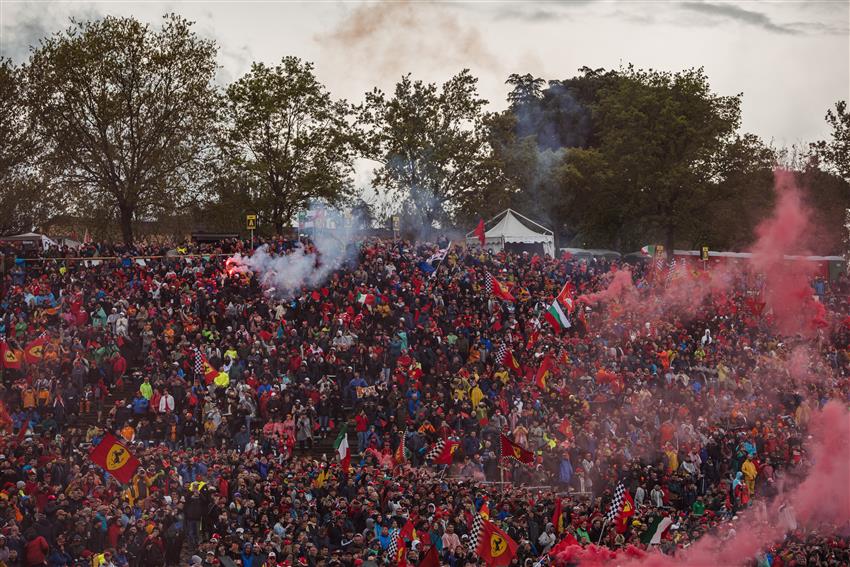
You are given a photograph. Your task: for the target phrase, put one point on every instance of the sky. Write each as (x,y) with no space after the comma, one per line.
(790,59)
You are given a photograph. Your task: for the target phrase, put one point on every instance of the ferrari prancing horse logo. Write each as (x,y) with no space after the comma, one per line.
(117,457)
(497,545)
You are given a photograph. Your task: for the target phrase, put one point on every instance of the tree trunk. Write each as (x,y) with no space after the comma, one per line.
(127,225)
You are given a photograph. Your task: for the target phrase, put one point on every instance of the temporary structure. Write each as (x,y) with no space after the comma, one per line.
(31,239)
(510,230)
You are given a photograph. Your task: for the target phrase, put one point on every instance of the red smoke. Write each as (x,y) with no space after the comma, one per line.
(820,502)
(788,294)
(620,287)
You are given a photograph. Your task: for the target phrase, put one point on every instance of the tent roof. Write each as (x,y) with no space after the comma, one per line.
(511,227)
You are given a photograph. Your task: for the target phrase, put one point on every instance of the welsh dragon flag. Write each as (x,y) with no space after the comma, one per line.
(342,450)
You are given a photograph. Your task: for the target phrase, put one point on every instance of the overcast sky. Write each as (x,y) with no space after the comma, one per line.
(790,59)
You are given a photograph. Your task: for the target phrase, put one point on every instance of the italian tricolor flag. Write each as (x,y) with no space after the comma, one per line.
(366,298)
(557,317)
(342,450)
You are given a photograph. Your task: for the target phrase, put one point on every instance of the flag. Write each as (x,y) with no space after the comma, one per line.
(565,297)
(114,458)
(556,315)
(532,339)
(511,450)
(431,558)
(398,456)
(34,351)
(199,363)
(505,357)
(11,357)
(480,232)
(626,511)
(491,544)
(366,298)
(616,503)
(545,370)
(396,550)
(558,517)
(484,511)
(498,289)
(210,373)
(342,450)
(443,452)
(322,478)
(656,530)
(408,531)
(438,256)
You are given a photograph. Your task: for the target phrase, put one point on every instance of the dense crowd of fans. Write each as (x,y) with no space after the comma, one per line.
(237,467)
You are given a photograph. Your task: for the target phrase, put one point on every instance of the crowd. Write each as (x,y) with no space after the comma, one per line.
(230,397)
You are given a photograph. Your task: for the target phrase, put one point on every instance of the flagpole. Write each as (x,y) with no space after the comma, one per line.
(602,533)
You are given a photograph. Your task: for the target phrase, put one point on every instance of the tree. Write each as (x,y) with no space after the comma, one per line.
(430,144)
(836,152)
(526,89)
(283,130)
(22,196)
(125,112)
(661,138)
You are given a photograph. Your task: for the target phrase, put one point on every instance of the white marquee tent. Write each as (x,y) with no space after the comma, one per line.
(510,227)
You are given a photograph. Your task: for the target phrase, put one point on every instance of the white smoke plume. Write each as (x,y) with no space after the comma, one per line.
(306,266)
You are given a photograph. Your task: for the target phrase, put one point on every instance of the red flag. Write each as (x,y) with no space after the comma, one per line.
(498,289)
(446,454)
(11,357)
(209,372)
(115,458)
(544,372)
(495,547)
(431,559)
(401,553)
(532,339)
(505,357)
(480,232)
(565,297)
(398,456)
(626,512)
(511,450)
(408,531)
(34,351)
(558,517)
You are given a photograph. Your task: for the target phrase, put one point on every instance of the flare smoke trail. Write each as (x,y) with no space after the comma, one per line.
(305,266)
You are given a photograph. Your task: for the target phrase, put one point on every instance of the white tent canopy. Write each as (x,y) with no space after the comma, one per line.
(511,227)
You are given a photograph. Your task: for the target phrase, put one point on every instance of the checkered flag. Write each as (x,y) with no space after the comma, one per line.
(199,362)
(488,283)
(392,549)
(671,271)
(435,452)
(475,534)
(616,503)
(501,353)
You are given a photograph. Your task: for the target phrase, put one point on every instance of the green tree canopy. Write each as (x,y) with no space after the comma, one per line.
(285,133)
(430,144)
(125,113)
(23,198)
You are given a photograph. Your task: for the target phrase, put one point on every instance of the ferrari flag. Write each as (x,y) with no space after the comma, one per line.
(114,458)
